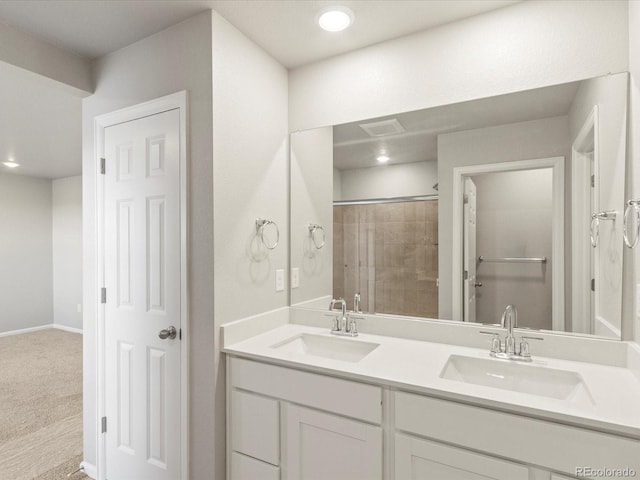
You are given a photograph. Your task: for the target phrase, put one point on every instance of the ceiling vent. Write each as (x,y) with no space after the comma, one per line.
(385,127)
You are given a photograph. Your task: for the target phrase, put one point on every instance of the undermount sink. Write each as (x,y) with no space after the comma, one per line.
(347,350)
(509,375)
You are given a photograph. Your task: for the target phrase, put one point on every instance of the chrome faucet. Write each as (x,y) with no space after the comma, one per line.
(509,321)
(342,323)
(507,350)
(356,303)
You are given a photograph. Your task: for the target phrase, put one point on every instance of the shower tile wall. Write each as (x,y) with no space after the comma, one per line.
(389,254)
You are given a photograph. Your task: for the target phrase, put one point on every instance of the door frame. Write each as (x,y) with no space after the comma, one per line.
(178,100)
(557,235)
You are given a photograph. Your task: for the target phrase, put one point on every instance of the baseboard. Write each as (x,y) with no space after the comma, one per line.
(66,329)
(89,469)
(24,330)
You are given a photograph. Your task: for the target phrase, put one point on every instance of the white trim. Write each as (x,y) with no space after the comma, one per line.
(583,311)
(25,330)
(89,469)
(57,326)
(557,264)
(178,100)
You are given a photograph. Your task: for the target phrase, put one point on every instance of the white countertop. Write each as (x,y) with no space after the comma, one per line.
(416,366)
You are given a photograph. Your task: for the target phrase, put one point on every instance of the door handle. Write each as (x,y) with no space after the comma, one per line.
(477,284)
(170,332)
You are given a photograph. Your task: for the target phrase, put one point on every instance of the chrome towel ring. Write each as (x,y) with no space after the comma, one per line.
(635,204)
(318,240)
(261,225)
(595,224)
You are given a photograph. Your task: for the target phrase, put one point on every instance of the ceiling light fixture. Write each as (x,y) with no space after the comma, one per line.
(382,158)
(335,19)
(11,164)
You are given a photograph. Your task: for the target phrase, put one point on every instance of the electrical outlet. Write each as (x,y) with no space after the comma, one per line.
(295,277)
(279,280)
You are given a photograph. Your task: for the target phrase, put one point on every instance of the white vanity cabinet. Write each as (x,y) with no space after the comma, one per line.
(293,425)
(424,459)
(290,424)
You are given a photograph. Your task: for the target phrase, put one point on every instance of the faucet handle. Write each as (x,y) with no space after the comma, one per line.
(352,326)
(335,326)
(496,343)
(524,346)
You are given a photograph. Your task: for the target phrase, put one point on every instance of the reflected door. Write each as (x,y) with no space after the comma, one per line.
(142,277)
(469,254)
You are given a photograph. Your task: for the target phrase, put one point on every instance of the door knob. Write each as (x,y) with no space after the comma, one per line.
(477,284)
(170,332)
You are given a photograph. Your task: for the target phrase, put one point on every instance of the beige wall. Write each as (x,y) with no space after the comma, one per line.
(26,292)
(527,45)
(66,200)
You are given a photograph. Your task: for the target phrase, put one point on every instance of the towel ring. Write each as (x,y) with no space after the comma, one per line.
(313,228)
(261,225)
(635,204)
(595,222)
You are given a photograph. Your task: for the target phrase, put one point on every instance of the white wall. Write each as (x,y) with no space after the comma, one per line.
(609,93)
(630,314)
(514,219)
(311,174)
(506,143)
(388,181)
(527,45)
(178,58)
(251,179)
(26,292)
(66,224)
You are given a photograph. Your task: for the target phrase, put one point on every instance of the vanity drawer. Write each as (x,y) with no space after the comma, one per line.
(351,399)
(512,436)
(247,468)
(255,426)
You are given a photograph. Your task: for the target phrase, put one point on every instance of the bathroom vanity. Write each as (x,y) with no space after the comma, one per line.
(305,404)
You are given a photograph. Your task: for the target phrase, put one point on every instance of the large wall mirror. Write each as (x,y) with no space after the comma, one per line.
(456,211)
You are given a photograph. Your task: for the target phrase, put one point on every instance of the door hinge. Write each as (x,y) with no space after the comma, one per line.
(103,295)
(593,181)
(465,199)
(180,334)
(466,275)
(103,166)
(593,284)
(104,425)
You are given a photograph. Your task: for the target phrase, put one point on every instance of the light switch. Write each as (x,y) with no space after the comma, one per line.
(295,277)
(279,280)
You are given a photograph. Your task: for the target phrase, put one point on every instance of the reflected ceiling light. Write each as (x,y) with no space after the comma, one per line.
(382,158)
(11,164)
(335,19)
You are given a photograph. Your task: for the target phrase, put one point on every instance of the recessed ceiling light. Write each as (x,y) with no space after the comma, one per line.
(335,19)
(382,158)
(11,164)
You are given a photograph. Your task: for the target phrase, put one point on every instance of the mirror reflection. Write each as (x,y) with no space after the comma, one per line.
(454,212)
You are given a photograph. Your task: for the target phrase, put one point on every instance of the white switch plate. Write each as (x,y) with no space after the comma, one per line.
(279,280)
(79,308)
(295,277)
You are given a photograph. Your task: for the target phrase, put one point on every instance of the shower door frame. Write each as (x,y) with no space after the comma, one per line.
(557,231)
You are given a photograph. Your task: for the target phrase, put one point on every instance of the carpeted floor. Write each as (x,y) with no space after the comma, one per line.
(41,405)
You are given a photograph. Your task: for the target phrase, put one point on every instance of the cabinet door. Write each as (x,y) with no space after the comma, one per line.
(418,459)
(320,446)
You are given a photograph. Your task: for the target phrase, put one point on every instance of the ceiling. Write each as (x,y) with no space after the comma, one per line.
(41,126)
(354,148)
(284,28)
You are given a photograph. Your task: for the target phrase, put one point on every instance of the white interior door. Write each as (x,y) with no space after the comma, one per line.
(142,252)
(469,254)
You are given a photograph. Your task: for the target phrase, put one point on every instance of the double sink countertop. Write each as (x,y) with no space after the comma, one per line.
(603,397)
